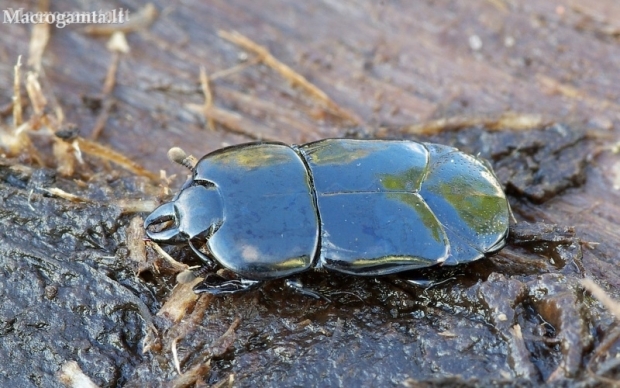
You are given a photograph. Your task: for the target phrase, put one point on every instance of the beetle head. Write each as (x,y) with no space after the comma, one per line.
(193,212)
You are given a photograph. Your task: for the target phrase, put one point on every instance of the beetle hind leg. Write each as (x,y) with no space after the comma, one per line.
(215,284)
(297,286)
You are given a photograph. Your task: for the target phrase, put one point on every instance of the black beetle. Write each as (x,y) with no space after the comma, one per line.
(364,207)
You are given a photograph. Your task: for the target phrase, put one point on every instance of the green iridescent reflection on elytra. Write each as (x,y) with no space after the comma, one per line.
(251,157)
(424,212)
(401,187)
(478,210)
(342,153)
(407,181)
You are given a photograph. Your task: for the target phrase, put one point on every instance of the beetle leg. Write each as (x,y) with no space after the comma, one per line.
(428,283)
(208,262)
(217,285)
(297,286)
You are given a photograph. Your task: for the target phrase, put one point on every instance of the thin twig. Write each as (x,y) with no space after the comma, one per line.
(110,77)
(30,199)
(514,121)
(235,69)
(289,74)
(100,151)
(235,122)
(175,264)
(37,99)
(117,45)
(39,38)
(601,295)
(206,90)
(64,195)
(175,355)
(17,99)
(102,119)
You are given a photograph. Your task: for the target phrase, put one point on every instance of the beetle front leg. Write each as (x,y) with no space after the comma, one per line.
(208,263)
(297,286)
(215,284)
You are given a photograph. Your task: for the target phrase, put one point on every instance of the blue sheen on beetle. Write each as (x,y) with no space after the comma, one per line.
(362,207)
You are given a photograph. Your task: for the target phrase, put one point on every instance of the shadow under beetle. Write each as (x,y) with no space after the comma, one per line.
(362,207)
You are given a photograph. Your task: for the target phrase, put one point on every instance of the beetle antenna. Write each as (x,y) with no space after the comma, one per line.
(179,156)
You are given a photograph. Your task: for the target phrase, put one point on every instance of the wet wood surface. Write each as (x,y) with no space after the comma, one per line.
(387,69)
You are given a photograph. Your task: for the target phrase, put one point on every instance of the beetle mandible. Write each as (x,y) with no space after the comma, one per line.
(267,210)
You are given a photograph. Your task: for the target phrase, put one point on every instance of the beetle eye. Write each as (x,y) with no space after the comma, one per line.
(160,224)
(204,183)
